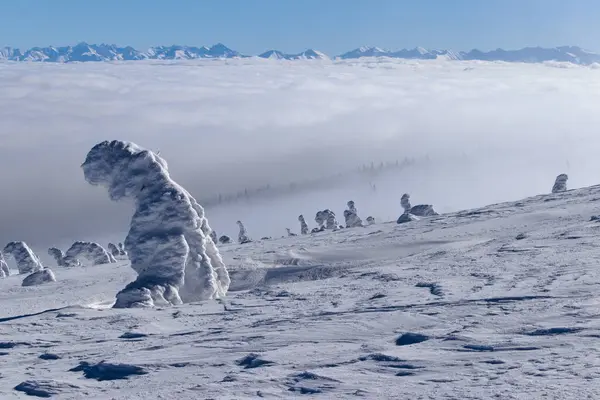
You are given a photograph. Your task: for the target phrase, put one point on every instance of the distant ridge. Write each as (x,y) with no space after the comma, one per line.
(84,52)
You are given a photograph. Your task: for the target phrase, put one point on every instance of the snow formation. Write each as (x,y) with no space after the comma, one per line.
(405,202)
(303,225)
(224,239)
(39,277)
(91,251)
(289,232)
(370,220)
(423,210)
(560,184)
(61,259)
(351,216)
(168,243)
(114,250)
(27,261)
(406,217)
(4,271)
(242,235)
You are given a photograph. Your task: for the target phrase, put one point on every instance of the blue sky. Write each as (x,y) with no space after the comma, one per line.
(333,26)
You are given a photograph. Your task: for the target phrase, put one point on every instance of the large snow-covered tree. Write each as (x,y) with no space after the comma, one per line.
(168,243)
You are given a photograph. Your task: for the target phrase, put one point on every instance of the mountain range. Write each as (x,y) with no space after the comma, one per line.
(84,52)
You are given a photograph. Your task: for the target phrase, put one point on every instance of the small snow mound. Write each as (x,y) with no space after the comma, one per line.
(107,372)
(423,210)
(44,388)
(49,356)
(39,277)
(406,217)
(409,338)
(253,361)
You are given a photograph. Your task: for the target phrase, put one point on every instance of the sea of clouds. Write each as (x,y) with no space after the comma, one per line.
(492,132)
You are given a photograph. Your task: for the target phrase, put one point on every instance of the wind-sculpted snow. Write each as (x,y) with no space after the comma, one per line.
(560,184)
(27,261)
(91,251)
(61,259)
(4,270)
(39,277)
(169,242)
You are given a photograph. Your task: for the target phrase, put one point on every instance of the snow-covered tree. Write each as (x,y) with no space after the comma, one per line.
(114,250)
(27,261)
(173,255)
(44,275)
(405,202)
(242,235)
(320,218)
(289,232)
(122,251)
(560,184)
(370,220)
(61,259)
(4,271)
(303,225)
(91,251)
(351,216)
(330,221)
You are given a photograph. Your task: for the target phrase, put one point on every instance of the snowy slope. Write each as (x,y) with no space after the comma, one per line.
(503,301)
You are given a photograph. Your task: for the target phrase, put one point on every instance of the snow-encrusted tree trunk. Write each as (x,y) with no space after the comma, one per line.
(303,225)
(560,184)
(168,243)
(27,261)
(405,202)
(61,259)
(4,271)
(91,251)
(242,235)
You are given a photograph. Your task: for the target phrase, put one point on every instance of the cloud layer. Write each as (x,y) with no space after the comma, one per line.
(492,132)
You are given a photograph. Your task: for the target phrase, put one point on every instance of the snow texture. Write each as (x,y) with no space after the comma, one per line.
(44,275)
(27,261)
(303,225)
(242,235)
(560,184)
(425,310)
(4,270)
(93,252)
(168,241)
(61,259)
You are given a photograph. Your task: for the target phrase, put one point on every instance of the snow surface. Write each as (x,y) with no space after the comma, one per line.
(496,302)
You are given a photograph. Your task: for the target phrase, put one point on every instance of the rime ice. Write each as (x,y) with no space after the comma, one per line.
(61,259)
(303,225)
(560,184)
(91,251)
(169,242)
(27,261)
